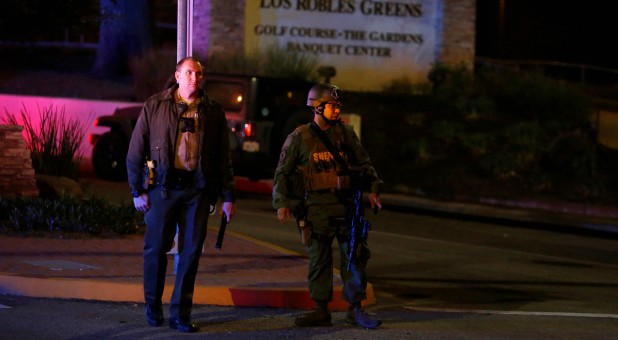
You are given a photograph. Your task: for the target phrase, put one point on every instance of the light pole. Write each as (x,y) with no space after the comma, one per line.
(184,48)
(184,31)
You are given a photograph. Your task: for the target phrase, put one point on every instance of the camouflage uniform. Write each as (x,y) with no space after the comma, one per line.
(326,207)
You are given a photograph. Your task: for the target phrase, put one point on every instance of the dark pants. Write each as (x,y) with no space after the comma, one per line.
(187,209)
(325,229)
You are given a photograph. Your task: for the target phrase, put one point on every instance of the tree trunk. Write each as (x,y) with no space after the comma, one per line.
(126,31)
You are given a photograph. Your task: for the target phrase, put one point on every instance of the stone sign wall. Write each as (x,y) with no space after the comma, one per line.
(369,42)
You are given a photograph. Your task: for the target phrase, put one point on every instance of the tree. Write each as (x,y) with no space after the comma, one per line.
(62,20)
(126,31)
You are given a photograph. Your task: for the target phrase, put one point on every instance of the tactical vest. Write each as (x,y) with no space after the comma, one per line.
(323,174)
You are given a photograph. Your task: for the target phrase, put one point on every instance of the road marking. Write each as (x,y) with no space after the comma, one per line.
(61,265)
(4,306)
(508,312)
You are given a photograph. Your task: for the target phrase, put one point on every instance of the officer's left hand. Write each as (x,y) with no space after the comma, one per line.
(142,203)
(374,199)
(229,208)
(283,214)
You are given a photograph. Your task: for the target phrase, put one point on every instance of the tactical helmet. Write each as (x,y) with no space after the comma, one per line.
(321,93)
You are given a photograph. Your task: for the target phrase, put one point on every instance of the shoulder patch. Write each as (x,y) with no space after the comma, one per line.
(305,131)
(301,130)
(297,131)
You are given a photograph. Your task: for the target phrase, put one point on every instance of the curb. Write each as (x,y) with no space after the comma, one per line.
(93,274)
(84,289)
(584,216)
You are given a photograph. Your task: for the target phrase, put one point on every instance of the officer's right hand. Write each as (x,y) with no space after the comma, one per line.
(283,214)
(376,205)
(142,203)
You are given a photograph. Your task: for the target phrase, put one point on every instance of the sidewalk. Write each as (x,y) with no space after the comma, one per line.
(246,271)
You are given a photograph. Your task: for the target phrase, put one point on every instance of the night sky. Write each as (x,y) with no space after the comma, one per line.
(548,30)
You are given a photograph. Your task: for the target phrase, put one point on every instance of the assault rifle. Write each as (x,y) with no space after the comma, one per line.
(356,218)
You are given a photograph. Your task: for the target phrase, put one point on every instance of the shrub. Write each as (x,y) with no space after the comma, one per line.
(272,61)
(35,216)
(454,88)
(483,133)
(54,143)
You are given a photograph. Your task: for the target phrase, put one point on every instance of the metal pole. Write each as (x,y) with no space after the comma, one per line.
(181,30)
(184,32)
(189,29)
(184,48)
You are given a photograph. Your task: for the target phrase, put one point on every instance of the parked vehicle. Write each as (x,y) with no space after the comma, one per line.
(261,112)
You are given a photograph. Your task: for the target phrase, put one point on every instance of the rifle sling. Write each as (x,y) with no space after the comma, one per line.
(329,145)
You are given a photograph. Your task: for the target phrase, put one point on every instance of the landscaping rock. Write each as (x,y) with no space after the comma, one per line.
(58,187)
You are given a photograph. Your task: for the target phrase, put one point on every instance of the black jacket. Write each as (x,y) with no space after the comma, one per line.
(154,138)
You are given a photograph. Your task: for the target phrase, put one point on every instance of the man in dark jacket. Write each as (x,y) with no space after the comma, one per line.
(178,166)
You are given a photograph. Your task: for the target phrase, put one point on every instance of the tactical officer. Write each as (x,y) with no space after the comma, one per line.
(326,202)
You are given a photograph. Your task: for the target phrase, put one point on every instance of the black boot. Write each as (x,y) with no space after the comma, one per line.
(357,316)
(319,317)
(154,315)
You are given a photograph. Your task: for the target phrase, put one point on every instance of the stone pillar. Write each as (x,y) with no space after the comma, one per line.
(458,32)
(219,26)
(17,177)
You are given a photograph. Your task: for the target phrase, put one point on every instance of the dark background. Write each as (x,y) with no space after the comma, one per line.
(549,30)
(577,32)
(531,30)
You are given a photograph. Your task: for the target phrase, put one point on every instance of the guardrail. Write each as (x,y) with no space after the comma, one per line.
(581,73)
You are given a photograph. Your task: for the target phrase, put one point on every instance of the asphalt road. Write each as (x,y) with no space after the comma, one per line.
(434,261)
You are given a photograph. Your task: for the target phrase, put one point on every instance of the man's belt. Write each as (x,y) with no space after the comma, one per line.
(325,182)
(181,179)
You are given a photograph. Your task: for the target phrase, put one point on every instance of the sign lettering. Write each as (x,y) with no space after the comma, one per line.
(369,42)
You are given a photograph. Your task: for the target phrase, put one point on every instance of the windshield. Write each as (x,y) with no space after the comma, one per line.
(228,94)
